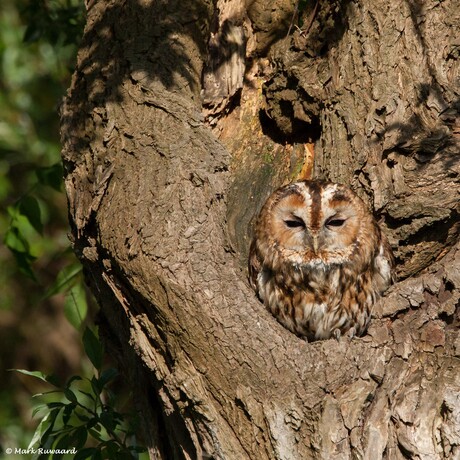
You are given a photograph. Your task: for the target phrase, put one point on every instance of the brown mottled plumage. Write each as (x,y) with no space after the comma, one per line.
(319,260)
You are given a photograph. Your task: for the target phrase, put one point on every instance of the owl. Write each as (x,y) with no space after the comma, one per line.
(318,260)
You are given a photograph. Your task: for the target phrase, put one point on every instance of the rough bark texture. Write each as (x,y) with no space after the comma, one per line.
(161,211)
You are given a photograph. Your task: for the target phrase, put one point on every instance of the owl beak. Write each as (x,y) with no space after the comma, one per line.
(315,243)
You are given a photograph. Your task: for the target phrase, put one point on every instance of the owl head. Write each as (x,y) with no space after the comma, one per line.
(315,223)
(318,260)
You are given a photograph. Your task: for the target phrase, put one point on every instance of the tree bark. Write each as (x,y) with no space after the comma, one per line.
(162,193)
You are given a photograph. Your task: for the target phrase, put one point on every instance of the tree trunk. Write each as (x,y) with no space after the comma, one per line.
(181,119)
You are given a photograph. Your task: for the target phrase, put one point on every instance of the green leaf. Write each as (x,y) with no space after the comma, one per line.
(54,404)
(41,428)
(70,395)
(44,428)
(97,388)
(52,379)
(89,395)
(29,207)
(38,409)
(80,436)
(75,306)
(82,418)
(13,212)
(94,423)
(67,413)
(65,279)
(72,379)
(108,421)
(15,241)
(36,374)
(51,176)
(107,376)
(97,455)
(95,433)
(93,348)
(23,262)
(64,442)
(114,450)
(52,419)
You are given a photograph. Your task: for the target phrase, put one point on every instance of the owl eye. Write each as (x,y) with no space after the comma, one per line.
(295,222)
(334,222)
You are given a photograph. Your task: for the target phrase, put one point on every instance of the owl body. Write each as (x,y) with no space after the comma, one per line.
(318,260)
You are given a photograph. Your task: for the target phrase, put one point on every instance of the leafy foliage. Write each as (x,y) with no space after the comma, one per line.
(38,43)
(54,21)
(81,415)
(38,46)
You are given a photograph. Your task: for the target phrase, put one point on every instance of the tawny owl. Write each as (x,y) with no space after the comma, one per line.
(319,260)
